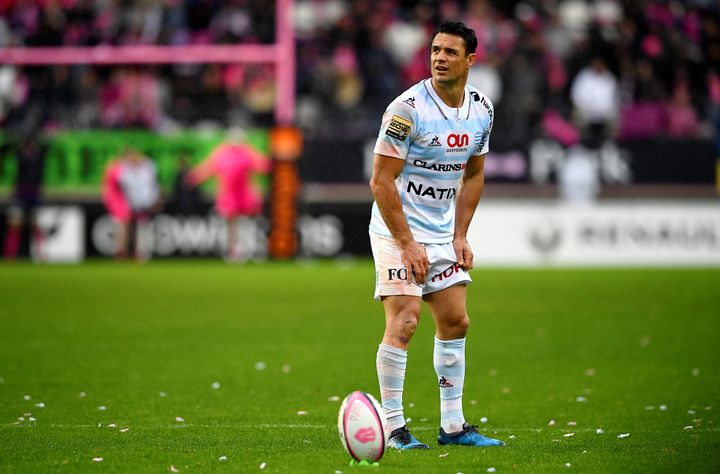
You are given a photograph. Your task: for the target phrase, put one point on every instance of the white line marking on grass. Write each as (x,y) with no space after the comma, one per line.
(303,426)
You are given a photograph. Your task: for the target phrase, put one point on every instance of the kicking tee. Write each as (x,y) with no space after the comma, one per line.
(435,141)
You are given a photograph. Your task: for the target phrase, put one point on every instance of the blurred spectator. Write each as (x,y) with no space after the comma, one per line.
(132,195)
(27,193)
(682,120)
(595,97)
(354,55)
(235,165)
(186,198)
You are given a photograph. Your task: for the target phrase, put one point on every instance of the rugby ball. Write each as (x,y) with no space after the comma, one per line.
(362,428)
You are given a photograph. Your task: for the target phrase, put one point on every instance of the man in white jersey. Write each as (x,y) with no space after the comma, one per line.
(427,181)
(138,181)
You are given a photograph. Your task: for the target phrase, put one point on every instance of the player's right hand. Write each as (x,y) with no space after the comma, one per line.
(416,261)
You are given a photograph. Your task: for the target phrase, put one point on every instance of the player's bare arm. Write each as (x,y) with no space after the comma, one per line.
(385,170)
(469,193)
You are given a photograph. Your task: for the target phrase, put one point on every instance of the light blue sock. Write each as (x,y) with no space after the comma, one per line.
(449,361)
(391,362)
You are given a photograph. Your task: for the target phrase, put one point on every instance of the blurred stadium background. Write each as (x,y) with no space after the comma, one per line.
(636,183)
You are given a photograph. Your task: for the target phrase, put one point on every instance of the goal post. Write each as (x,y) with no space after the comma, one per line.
(281,54)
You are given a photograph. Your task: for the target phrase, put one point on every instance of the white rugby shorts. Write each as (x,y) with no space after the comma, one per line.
(391,276)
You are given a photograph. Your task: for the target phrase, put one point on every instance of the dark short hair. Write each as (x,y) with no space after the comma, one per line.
(460,29)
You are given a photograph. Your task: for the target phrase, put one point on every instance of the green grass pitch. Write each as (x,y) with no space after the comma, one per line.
(553,357)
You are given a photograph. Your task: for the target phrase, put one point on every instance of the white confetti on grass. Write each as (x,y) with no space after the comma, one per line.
(649,408)
(286,368)
(569,435)
(222,458)
(411,404)
(688,427)
(551,423)
(567,464)
(40,405)
(180,419)
(590,372)
(302,412)
(102,408)
(663,407)
(491,469)
(483,419)
(124,430)
(691,412)
(695,372)
(581,399)
(408,420)
(32,419)
(599,431)
(162,394)
(174,469)
(572,423)
(27,397)
(112,425)
(97,459)
(263,466)
(443,455)
(334,398)
(623,435)
(215,385)
(511,436)
(82,394)
(260,365)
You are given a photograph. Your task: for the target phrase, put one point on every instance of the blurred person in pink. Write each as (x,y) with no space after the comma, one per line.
(235,164)
(116,204)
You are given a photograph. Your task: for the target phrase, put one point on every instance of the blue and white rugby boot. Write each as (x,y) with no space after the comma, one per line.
(469,436)
(402,439)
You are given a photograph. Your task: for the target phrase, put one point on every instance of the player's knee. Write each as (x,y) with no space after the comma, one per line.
(404,326)
(455,328)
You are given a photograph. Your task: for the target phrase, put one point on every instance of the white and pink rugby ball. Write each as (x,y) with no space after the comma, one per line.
(362,428)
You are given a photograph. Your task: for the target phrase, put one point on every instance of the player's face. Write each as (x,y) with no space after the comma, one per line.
(448,60)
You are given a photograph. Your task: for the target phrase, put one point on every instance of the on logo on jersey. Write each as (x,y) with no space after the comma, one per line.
(457,143)
(457,140)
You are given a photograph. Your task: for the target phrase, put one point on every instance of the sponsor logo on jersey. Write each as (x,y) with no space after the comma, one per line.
(439,166)
(487,107)
(399,127)
(457,143)
(483,141)
(435,141)
(410,101)
(475,96)
(430,191)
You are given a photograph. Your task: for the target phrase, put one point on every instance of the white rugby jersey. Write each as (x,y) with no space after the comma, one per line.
(436,142)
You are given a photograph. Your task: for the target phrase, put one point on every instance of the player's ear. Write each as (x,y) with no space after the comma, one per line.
(470,59)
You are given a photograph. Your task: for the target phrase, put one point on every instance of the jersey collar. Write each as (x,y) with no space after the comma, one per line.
(450,113)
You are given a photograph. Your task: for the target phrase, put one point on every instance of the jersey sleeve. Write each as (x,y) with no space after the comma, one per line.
(483,146)
(399,126)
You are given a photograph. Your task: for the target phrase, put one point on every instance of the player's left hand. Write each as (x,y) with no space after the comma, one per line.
(463,253)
